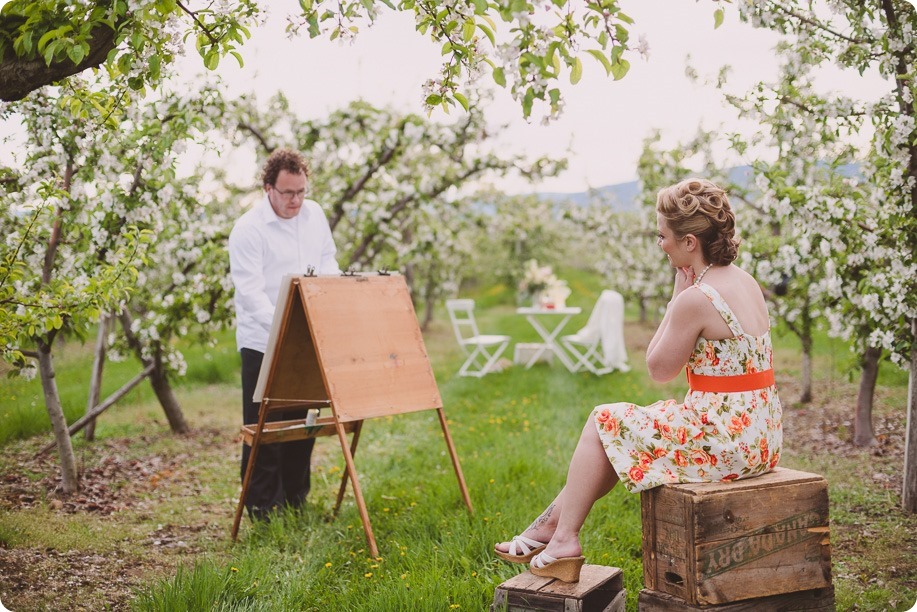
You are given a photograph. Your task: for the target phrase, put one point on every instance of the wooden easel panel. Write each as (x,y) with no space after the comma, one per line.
(369,345)
(290,368)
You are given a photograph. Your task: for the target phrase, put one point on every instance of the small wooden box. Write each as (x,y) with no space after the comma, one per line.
(600,589)
(715,543)
(524,351)
(814,600)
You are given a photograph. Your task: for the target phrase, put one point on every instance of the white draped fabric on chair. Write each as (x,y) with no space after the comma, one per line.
(599,346)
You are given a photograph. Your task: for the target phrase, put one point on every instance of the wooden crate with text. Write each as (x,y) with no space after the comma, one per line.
(716,543)
(813,600)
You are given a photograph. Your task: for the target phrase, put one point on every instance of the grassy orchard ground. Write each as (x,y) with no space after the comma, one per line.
(150,530)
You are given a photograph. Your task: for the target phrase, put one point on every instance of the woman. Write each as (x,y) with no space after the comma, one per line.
(728,427)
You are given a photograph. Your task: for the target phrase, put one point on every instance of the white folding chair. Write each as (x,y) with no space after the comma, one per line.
(599,346)
(483,350)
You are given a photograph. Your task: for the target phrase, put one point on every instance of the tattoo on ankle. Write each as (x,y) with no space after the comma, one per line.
(543,519)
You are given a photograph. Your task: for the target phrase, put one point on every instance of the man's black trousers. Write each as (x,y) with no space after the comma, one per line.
(281,474)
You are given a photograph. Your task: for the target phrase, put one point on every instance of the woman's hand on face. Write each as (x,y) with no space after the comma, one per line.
(684,277)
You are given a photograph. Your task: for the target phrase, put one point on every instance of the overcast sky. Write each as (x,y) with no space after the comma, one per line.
(604,122)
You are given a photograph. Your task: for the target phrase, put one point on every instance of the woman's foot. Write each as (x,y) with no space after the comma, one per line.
(520,549)
(540,531)
(561,547)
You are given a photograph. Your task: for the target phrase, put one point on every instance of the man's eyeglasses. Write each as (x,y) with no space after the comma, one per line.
(299,194)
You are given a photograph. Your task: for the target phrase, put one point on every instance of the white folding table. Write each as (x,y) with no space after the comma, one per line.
(559,317)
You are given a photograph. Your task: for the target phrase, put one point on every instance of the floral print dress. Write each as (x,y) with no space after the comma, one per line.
(709,437)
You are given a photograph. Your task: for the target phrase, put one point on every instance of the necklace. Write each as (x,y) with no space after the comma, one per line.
(701,275)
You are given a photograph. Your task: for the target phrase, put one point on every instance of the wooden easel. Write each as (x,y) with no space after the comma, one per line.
(351,343)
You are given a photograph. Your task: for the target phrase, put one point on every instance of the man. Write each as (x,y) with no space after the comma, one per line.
(283,234)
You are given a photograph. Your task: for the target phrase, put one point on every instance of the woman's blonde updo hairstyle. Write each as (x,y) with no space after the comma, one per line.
(699,207)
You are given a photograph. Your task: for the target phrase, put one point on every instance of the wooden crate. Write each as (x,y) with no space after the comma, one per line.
(716,543)
(815,600)
(600,589)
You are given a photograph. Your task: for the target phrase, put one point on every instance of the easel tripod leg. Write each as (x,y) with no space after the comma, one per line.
(455,461)
(353,452)
(249,469)
(357,493)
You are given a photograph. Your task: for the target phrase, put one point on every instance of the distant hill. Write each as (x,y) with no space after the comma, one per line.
(624,196)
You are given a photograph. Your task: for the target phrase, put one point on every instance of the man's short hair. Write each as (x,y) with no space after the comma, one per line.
(283,159)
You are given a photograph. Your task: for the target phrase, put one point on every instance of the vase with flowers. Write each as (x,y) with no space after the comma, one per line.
(542,287)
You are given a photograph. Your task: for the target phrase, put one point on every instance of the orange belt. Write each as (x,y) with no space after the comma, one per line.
(730,384)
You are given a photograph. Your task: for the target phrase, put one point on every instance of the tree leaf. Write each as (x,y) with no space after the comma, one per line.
(489,33)
(577,71)
(155,65)
(76,54)
(499,77)
(718,18)
(619,70)
(602,59)
(468,30)
(461,100)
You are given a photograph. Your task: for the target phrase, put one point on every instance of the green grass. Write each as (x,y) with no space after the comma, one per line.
(514,432)
(22,407)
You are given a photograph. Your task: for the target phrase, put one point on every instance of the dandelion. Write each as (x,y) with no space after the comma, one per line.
(328,564)
(234,569)
(368,575)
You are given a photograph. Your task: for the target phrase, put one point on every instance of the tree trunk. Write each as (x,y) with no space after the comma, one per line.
(643,313)
(862,425)
(69,478)
(429,304)
(805,395)
(158,379)
(167,400)
(95,385)
(909,487)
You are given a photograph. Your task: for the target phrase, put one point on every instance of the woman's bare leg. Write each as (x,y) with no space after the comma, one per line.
(589,478)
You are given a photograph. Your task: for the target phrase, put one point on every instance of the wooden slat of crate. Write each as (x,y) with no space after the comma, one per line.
(600,589)
(713,543)
(814,600)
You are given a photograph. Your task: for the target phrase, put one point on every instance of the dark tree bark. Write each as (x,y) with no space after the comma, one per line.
(167,398)
(909,488)
(69,478)
(805,395)
(158,379)
(862,425)
(95,385)
(19,76)
(429,303)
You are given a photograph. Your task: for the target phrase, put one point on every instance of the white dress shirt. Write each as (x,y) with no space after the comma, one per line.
(262,249)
